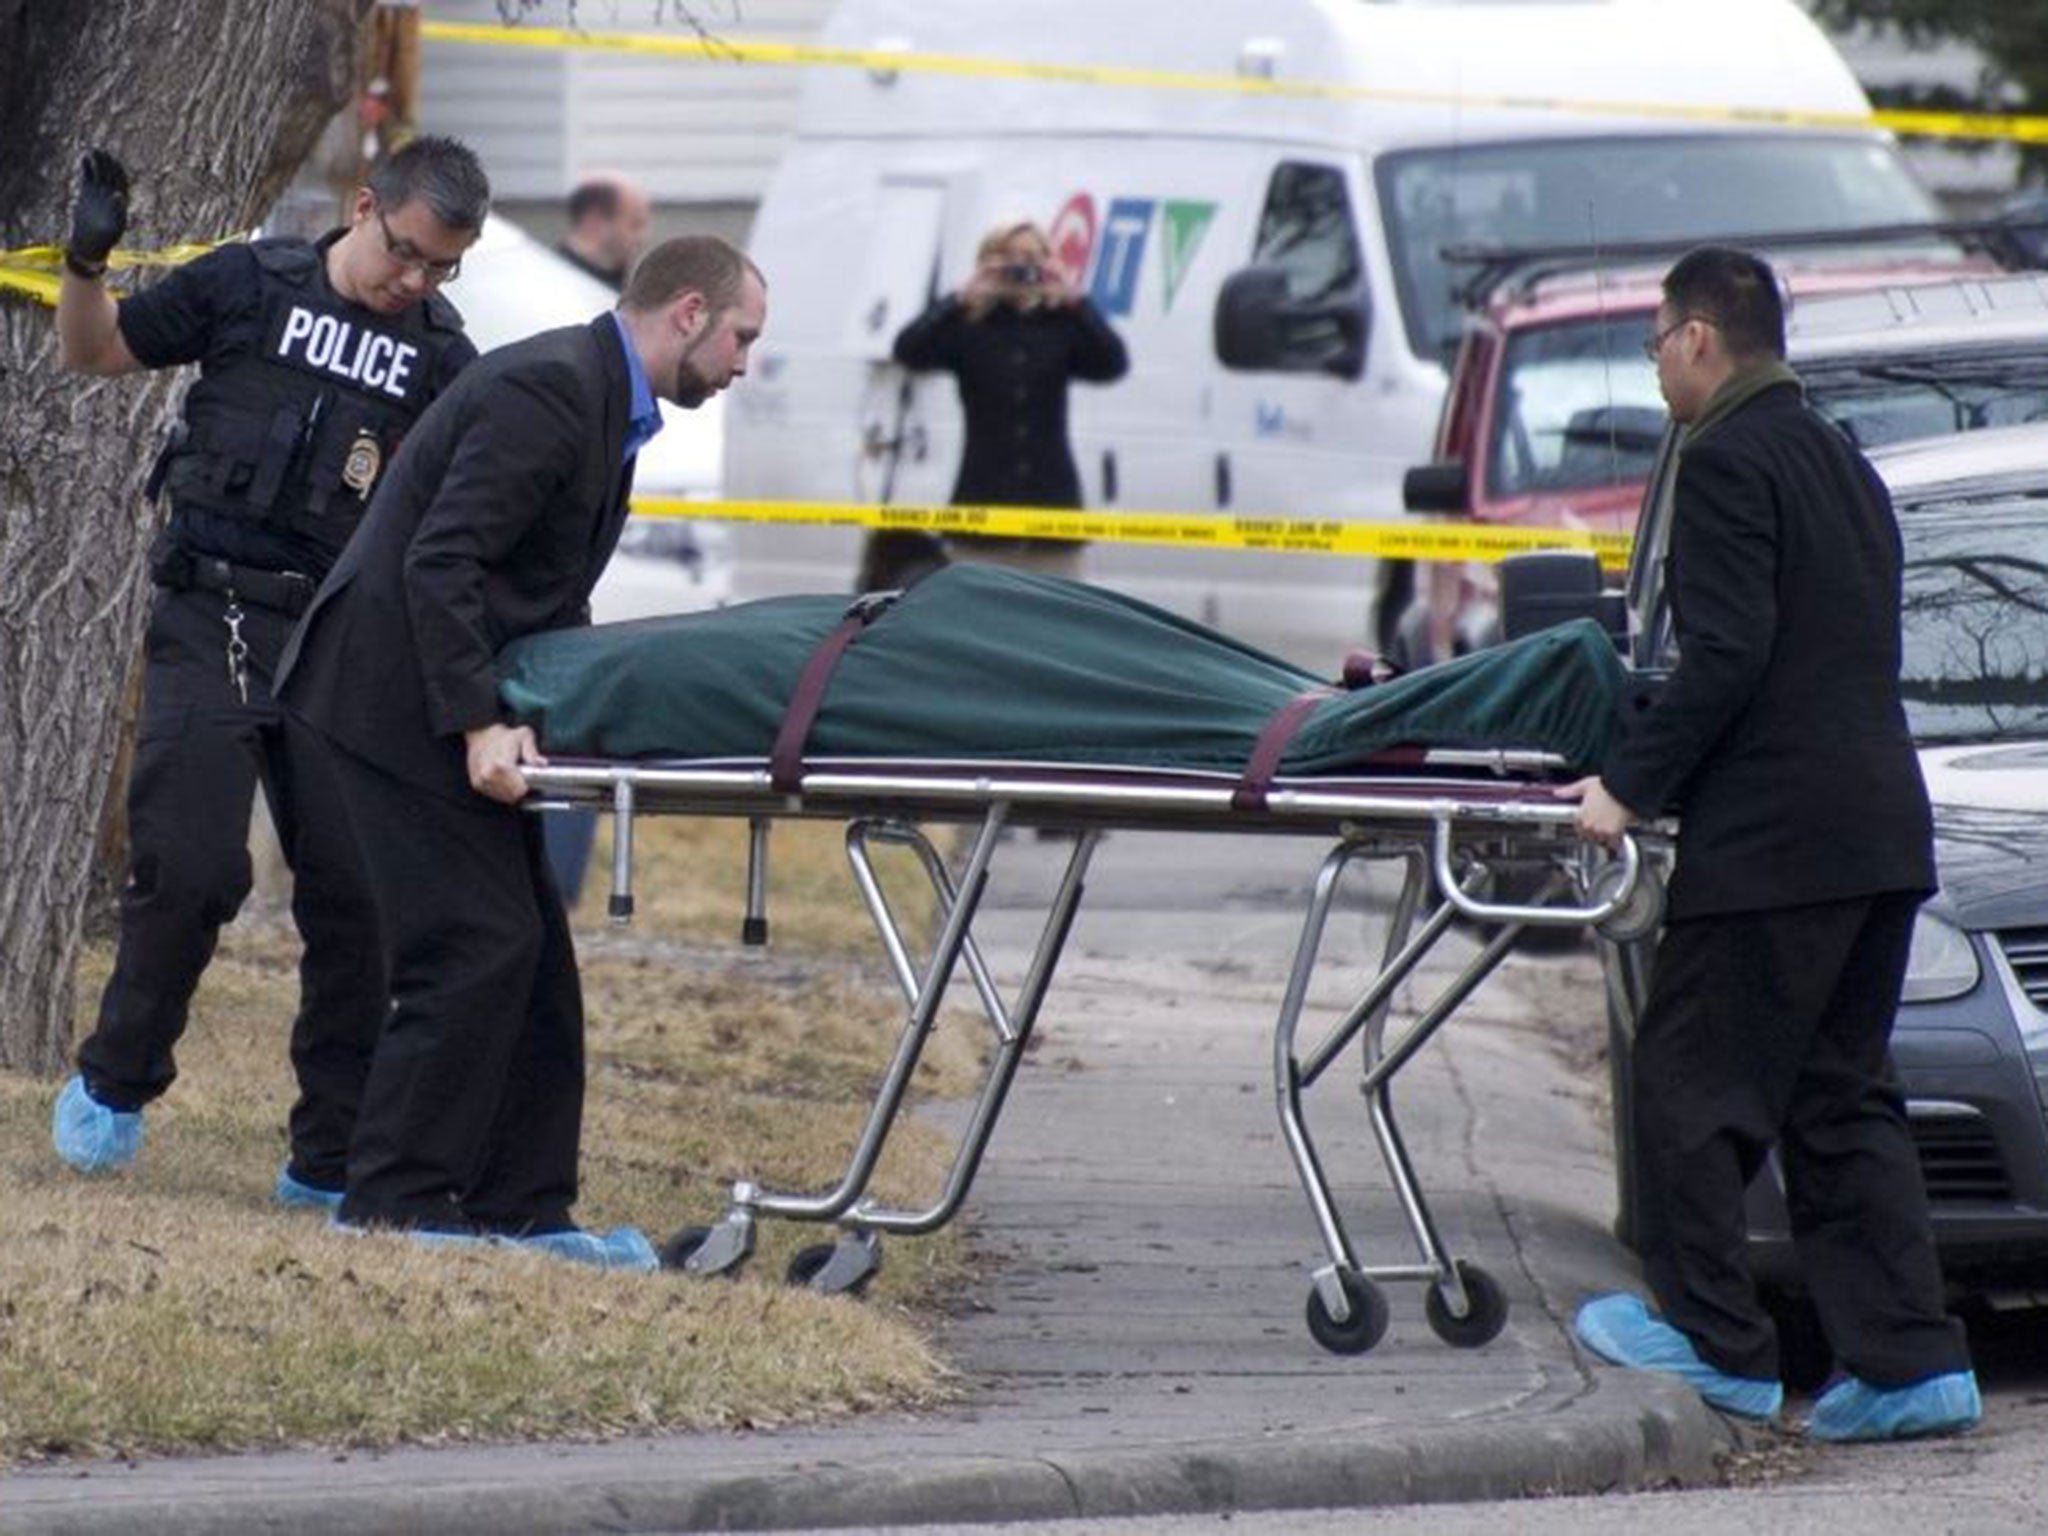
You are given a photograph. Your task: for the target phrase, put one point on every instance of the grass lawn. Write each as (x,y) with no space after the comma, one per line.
(172,1308)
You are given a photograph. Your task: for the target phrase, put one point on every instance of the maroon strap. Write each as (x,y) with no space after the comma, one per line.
(1271,746)
(786,761)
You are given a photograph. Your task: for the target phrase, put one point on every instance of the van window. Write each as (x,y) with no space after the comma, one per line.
(1590,192)
(1306,230)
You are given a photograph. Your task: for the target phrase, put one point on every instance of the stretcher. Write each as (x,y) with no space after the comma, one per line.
(1474,830)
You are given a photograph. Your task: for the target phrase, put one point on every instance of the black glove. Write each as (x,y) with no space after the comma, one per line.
(100,216)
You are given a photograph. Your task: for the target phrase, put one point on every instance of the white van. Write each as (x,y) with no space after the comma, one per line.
(1274,262)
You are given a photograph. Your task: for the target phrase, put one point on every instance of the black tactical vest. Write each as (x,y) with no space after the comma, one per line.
(294,430)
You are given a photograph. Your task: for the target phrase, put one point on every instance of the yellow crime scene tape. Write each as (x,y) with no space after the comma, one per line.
(36,270)
(1284,535)
(2014,127)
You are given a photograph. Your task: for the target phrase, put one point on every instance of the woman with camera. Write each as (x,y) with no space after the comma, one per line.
(1012,337)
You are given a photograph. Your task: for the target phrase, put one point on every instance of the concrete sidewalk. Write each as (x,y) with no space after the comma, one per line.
(1140,1347)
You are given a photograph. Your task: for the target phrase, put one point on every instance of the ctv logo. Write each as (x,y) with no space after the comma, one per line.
(1116,245)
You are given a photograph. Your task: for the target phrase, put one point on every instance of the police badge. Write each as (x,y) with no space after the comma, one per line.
(365,458)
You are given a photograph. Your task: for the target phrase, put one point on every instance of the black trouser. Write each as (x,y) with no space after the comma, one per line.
(200,751)
(1772,1027)
(473,1109)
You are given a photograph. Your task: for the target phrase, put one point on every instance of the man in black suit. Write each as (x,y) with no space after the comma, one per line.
(1804,849)
(494,522)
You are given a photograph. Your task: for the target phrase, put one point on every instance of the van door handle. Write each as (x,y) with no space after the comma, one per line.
(876,443)
(1222,479)
(1109,474)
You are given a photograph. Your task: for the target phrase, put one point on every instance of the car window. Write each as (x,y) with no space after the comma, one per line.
(1581,192)
(1879,400)
(1578,409)
(1974,619)
(1306,230)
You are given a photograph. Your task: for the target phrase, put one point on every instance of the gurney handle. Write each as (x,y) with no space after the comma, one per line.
(1630,857)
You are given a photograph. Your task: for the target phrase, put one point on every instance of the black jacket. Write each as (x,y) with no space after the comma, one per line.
(1780,738)
(494,522)
(302,398)
(1012,366)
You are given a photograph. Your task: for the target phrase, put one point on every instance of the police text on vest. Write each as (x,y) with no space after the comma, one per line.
(333,345)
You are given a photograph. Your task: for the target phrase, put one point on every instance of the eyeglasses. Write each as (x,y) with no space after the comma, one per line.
(1653,344)
(413,259)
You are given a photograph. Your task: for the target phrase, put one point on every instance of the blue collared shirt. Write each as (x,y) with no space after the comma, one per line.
(643,417)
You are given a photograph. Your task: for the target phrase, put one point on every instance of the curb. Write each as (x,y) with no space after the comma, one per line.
(1632,1432)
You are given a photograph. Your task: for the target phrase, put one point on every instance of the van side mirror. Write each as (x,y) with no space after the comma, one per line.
(1554,586)
(1440,487)
(1261,328)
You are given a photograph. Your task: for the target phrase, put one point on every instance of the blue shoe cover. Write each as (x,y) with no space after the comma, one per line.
(297,1194)
(91,1137)
(1621,1330)
(620,1248)
(1855,1410)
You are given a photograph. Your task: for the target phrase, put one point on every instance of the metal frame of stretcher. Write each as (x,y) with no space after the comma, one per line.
(1453,819)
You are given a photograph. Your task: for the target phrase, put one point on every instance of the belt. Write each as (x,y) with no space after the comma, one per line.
(289,592)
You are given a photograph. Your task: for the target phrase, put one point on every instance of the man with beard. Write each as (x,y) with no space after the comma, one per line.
(494,523)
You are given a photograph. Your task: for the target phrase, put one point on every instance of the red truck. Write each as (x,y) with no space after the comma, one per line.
(1553,417)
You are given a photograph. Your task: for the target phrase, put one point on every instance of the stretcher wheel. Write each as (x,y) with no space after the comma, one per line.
(1638,917)
(1366,1325)
(806,1264)
(1483,1323)
(676,1252)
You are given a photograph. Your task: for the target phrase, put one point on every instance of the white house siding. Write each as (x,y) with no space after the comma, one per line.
(703,137)
(694,134)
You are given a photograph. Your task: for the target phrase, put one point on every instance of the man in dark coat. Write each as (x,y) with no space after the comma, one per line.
(1804,849)
(495,521)
(315,359)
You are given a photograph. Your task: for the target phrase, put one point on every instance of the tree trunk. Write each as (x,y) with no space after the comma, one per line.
(210,107)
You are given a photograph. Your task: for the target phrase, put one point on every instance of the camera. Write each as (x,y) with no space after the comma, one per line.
(1025,274)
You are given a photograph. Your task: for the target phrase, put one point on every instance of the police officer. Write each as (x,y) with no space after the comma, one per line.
(313,361)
